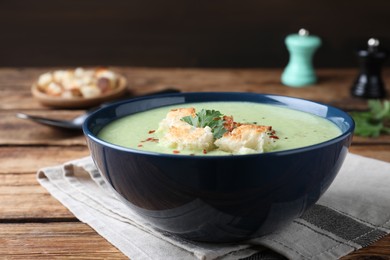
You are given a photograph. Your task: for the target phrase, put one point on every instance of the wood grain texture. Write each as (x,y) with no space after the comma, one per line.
(61,240)
(36,157)
(21,196)
(21,202)
(379,152)
(34,225)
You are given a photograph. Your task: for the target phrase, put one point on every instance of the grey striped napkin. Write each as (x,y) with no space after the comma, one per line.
(353,213)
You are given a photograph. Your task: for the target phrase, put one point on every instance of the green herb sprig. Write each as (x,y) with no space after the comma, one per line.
(374,122)
(210,118)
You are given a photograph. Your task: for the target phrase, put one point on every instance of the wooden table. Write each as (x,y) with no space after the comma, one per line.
(35,225)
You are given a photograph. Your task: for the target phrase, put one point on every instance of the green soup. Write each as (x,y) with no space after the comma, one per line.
(293,128)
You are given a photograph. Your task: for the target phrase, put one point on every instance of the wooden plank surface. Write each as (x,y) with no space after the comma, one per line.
(30,216)
(333,86)
(55,240)
(27,159)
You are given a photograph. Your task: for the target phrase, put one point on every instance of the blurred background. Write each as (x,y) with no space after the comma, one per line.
(178,33)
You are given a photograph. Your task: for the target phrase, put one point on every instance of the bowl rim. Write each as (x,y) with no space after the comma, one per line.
(349,132)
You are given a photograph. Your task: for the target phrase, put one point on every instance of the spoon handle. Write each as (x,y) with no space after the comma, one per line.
(48,121)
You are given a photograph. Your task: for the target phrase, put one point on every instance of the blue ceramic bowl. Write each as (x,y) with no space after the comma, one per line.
(219,198)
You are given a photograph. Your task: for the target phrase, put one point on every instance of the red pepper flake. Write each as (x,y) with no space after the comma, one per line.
(176,151)
(273,136)
(151,131)
(150,139)
(140,145)
(204,151)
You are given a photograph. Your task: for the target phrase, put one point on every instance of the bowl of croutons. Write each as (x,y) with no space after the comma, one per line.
(218,167)
(78,88)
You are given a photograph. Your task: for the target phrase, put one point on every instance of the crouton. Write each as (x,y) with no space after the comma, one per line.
(78,82)
(174,117)
(246,139)
(180,135)
(189,138)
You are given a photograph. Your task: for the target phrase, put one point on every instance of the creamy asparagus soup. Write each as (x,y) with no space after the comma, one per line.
(219,128)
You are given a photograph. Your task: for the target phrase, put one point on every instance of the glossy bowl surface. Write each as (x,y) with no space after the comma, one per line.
(219,198)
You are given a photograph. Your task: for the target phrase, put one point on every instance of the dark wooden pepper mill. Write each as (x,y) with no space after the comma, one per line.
(369,83)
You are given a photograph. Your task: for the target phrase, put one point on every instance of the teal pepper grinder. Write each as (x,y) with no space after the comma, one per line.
(299,71)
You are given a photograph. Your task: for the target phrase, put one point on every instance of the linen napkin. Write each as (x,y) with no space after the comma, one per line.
(353,213)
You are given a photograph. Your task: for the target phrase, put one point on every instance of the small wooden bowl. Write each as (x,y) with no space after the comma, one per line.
(79,102)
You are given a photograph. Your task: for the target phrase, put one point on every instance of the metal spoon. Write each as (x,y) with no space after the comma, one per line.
(77,122)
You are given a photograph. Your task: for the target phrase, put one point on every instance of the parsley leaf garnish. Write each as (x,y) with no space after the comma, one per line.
(374,122)
(210,118)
